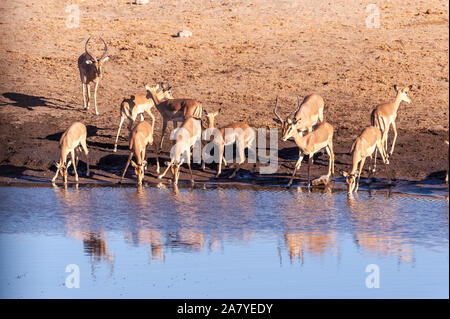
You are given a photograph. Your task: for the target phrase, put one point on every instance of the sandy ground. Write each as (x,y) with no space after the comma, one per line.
(242,54)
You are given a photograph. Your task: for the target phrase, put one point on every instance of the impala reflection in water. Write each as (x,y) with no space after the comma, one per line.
(220,242)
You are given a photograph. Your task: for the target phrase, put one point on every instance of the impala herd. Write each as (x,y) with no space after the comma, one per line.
(307,117)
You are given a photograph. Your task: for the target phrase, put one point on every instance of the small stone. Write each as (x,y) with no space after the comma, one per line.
(184,34)
(142,1)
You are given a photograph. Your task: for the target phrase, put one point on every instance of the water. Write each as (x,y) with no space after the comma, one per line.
(220,242)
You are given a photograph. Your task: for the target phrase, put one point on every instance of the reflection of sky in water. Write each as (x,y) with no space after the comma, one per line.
(220,242)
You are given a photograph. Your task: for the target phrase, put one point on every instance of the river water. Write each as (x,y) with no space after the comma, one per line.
(221,242)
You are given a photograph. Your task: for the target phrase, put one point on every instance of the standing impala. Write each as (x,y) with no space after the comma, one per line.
(446,174)
(385,114)
(186,137)
(91,71)
(363,147)
(308,114)
(240,133)
(140,137)
(73,137)
(321,137)
(175,110)
(136,105)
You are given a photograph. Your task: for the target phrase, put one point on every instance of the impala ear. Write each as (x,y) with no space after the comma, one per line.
(88,62)
(133,164)
(106,58)
(395,88)
(277,121)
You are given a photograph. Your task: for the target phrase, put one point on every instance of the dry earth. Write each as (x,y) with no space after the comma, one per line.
(242,54)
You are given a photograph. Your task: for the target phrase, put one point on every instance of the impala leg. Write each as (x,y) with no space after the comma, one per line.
(394,127)
(86,153)
(72,156)
(310,162)
(57,172)
(165,171)
(176,173)
(95,96)
(238,167)
(331,155)
(126,166)
(122,119)
(374,166)
(221,158)
(163,132)
(88,95)
(385,137)
(241,150)
(83,87)
(297,166)
(189,165)
(330,161)
(151,116)
(361,165)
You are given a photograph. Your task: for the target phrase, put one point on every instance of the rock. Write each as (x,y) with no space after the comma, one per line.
(142,1)
(184,34)
(322,180)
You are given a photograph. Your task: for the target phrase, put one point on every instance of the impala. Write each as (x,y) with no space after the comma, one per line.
(446,175)
(308,114)
(240,133)
(186,137)
(384,115)
(175,110)
(91,71)
(136,105)
(321,137)
(74,137)
(140,137)
(363,147)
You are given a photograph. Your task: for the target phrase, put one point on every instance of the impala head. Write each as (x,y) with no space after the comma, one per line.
(289,119)
(139,170)
(161,89)
(63,168)
(97,64)
(211,116)
(166,87)
(290,128)
(350,179)
(403,93)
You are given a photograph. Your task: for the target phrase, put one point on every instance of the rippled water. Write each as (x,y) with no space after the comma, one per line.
(220,242)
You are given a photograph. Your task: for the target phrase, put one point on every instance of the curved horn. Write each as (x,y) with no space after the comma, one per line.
(298,107)
(106,49)
(275,110)
(86,50)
